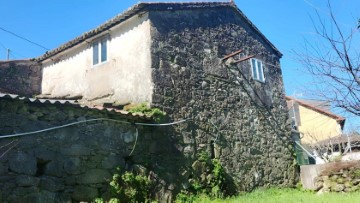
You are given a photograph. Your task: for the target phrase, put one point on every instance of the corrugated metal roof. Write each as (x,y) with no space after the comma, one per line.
(74,103)
(35,100)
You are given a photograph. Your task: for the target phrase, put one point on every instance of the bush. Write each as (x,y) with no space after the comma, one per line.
(130,188)
(208,179)
(155,113)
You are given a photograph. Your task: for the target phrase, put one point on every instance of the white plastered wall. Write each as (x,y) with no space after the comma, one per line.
(124,77)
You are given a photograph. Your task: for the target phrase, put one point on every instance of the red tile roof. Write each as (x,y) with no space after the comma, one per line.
(319,110)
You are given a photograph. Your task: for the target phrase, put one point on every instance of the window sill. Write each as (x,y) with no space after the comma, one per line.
(260,81)
(100,64)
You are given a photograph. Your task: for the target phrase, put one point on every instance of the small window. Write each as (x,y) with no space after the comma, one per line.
(100,51)
(103,50)
(95,53)
(257,68)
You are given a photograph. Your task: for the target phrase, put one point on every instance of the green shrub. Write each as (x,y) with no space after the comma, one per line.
(155,113)
(203,156)
(209,182)
(130,188)
(185,197)
(357,173)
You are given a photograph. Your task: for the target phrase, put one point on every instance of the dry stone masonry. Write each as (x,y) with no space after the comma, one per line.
(75,163)
(342,177)
(241,121)
(20,77)
(232,117)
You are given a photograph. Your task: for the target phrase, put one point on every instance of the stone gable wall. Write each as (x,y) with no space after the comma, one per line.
(241,121)
(21,77)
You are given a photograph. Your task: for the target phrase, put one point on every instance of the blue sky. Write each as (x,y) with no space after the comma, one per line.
(286,23)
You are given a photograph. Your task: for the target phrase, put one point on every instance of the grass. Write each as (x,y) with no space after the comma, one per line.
(285,195)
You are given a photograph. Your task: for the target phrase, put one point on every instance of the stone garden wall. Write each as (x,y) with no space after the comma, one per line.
(21,77)
(76,163)
(241,121)
(333,177)
(343,180)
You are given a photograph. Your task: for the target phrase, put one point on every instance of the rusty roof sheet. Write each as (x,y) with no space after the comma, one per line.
(73,103)
(156,6)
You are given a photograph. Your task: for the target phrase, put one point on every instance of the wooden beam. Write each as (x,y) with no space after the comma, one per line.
(232,54)
(244,59)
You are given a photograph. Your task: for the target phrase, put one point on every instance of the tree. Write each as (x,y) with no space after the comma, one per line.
(334,62)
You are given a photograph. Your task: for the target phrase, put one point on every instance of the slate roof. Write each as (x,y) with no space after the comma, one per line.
(144,7)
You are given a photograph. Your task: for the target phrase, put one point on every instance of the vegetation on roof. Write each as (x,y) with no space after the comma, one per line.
(145,109)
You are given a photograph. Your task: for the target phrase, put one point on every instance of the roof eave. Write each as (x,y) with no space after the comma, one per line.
(266,40)
(329,114)
(94,32)
(138,8)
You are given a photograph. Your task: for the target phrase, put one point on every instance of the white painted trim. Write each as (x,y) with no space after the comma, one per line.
(98,41)
(257,70)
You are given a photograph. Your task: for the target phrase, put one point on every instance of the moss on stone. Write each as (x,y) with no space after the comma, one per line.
(144,108)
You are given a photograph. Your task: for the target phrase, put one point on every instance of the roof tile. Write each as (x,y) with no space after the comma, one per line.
(150,7)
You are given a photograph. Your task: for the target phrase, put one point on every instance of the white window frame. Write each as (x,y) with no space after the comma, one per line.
(98,43)
(257,72)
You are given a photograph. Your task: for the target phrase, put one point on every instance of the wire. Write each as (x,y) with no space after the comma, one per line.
(23,38)
(136,138)
(85,121)
(7,144)
(162,124)
(3,154)
(17,55)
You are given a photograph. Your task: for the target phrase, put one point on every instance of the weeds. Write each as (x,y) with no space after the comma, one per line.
(144,108)
(129,187)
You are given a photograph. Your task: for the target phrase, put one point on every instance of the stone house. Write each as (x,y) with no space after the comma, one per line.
(205,62)
(314,120)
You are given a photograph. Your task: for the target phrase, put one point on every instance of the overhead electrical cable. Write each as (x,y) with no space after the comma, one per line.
(90,120)
(23,38)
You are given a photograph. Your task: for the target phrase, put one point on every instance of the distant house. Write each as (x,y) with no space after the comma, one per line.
(314,120)
(202,62)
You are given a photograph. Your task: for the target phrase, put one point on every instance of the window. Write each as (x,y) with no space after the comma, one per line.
(257,68)
(100,51)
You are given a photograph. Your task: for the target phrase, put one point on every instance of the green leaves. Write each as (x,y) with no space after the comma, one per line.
(155,113)
(209,179)
(129,187)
